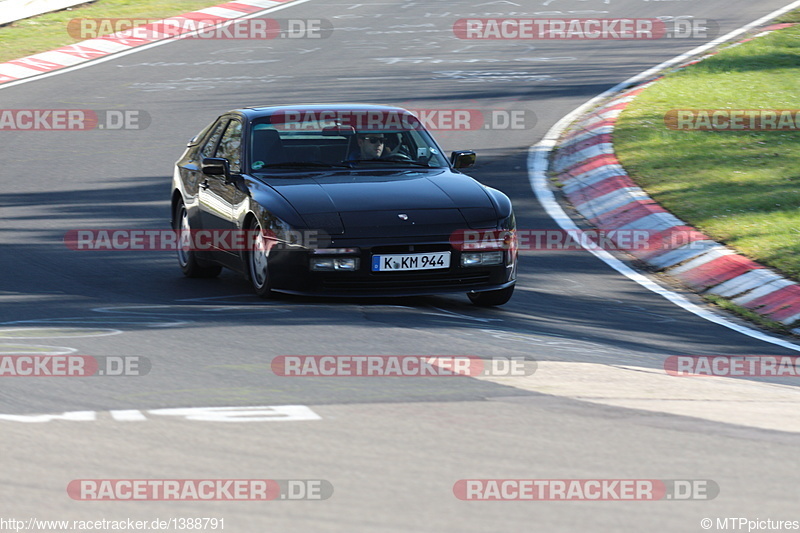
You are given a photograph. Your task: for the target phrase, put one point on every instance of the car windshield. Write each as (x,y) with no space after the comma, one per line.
(311,139)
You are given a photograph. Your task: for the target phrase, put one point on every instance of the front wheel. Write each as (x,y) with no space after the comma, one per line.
(491,298)
(258,261)
(187,259)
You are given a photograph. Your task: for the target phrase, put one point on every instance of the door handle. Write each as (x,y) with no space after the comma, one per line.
(205,185)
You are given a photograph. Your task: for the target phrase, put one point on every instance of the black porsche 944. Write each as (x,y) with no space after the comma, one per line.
(340,200)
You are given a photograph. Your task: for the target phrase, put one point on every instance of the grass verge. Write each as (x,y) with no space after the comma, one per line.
(48,31)
(727,305)
(742,188)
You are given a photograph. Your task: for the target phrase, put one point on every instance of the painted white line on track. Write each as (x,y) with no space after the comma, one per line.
(260,413)
(34,349)
(453,314)
(193,310)
(538,167)
(119,54)
(55,333)
(101,320)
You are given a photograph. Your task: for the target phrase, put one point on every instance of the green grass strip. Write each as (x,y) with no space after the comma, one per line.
(771,325)
(741,188)
(48,31)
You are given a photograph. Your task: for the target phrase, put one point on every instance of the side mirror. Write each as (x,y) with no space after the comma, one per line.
(215,166)
(463,158)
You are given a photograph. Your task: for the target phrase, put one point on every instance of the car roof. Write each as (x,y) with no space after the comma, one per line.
(265,111)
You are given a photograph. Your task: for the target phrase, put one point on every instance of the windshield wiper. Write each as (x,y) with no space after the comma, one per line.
(405,161)
(300,164)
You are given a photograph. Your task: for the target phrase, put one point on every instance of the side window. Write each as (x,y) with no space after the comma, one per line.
(230,147)
(211,143)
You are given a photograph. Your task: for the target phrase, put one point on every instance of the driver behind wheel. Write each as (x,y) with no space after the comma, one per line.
(379,146)
(370,145)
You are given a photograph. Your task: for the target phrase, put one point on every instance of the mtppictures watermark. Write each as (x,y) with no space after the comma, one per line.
(747,524)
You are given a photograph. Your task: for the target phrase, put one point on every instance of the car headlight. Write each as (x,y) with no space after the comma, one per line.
(481,258)
(325,259)
(335,251)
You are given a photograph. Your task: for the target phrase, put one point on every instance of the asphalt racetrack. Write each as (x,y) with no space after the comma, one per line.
(392,450)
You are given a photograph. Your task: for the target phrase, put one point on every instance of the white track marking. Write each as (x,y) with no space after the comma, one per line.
(188,310)
(261,413)
(34,349)
(55,333)
(537,174)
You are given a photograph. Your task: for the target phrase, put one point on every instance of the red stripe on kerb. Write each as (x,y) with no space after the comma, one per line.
(717,271)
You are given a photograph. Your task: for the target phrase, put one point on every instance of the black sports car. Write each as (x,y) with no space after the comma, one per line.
(340,200)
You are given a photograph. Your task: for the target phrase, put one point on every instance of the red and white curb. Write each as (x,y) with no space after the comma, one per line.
(601,191)
(92,49)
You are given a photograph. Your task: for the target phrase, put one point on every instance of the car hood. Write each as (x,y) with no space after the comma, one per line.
(372,204)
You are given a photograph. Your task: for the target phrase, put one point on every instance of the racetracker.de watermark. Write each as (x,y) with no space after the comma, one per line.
(471,119)
(73,365)
(73,119)
(733,365)
(199,489)
(733,119)
(585,489)
(400,366)
(301,119)
(570,240)
(192,240)
(234,240)
(199,28)
(409,119)
(584,28)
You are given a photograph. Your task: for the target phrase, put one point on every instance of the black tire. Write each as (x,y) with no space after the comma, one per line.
(491,298)
(190,265)
(258,263)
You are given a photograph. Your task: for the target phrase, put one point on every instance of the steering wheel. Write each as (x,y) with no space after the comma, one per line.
(397,157)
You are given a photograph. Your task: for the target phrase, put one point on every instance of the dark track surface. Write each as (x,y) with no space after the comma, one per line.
(392,448)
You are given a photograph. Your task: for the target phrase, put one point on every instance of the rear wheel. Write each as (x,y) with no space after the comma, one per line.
(258,261)
(491,298)
(187,259)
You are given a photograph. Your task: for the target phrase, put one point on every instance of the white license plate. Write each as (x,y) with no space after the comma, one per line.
(401,262)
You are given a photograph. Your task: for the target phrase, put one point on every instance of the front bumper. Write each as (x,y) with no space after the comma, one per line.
(290,273)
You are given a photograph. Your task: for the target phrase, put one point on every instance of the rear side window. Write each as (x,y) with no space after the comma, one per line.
(210,145)
(230,147)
